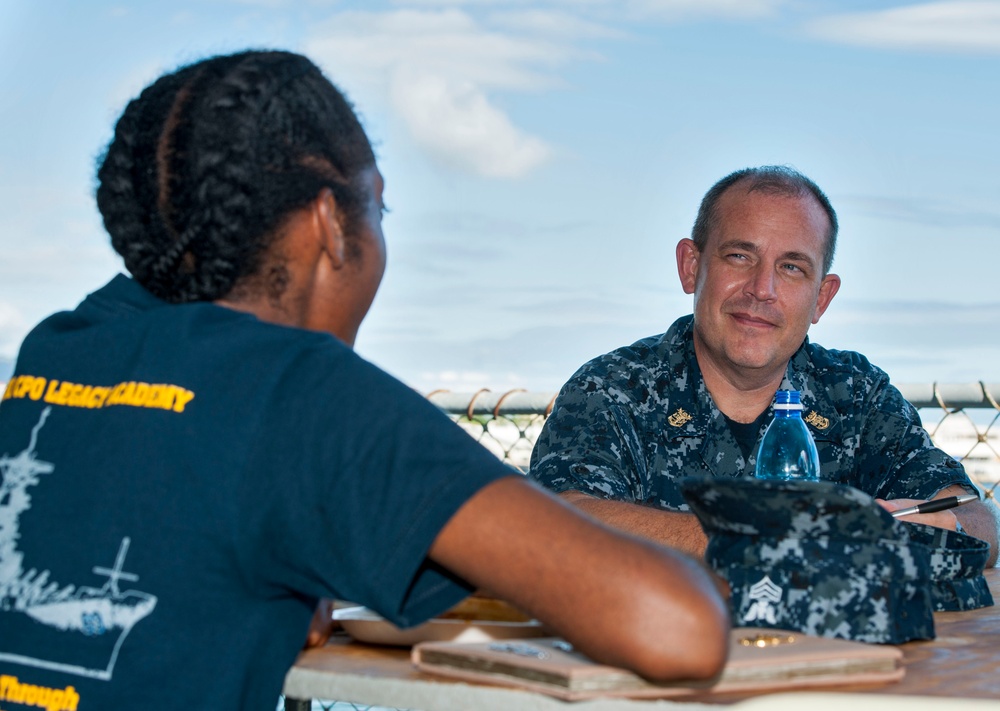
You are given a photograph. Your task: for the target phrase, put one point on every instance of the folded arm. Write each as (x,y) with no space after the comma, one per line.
(618,599)
(670,528)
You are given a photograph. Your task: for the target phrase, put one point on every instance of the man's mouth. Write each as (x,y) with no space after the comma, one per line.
(752,321)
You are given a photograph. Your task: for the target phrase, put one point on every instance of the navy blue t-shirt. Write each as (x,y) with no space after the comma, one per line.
(180,483)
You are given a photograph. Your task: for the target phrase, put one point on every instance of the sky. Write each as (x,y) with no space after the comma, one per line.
(542,159)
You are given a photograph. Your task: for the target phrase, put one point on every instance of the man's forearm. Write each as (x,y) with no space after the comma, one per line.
(670,528)
(683,532)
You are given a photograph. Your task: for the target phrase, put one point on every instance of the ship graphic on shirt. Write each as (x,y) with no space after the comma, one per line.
(73,629)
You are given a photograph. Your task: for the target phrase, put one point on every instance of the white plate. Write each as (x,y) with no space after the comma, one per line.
(367,626)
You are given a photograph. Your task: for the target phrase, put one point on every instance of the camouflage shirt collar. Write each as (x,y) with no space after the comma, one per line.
(691,407)
(692,410)
(818,410)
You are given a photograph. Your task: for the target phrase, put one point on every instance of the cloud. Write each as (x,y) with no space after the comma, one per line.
(554,23)
(913,340)
(12,330)
(131,83)
(916,341)
(455,3)
(923,211)
(670,10)
(6,369)
(456,123)
(533,337)
(966,26)
(54,252)
(267,4)
(439,71)
(465,381)
(540,359)
(440,65)
(685,9)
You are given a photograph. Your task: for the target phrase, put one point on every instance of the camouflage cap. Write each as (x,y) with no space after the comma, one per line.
(957,562)
(817,557)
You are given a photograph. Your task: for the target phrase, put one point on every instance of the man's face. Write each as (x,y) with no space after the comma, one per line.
(758,284)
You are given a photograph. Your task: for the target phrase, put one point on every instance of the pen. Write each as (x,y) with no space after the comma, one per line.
(948,502)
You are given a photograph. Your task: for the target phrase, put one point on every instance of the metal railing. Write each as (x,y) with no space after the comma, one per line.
(963,419)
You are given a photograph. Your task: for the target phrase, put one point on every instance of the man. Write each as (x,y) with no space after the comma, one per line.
(696,400)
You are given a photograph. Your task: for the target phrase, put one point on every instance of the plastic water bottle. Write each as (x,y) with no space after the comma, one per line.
(787,450)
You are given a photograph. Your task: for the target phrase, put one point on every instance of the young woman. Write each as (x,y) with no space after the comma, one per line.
(194,456)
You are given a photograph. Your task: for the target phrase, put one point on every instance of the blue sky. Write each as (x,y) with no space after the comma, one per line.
(543,158)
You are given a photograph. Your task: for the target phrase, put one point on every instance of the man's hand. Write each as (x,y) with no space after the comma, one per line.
(938,519)
(979,518)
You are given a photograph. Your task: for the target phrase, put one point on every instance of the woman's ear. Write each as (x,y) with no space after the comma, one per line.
(329,226)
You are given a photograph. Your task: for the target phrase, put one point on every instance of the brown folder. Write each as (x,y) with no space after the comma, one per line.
(759,660)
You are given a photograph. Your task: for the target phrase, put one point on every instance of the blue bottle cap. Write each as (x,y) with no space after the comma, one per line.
(787,400)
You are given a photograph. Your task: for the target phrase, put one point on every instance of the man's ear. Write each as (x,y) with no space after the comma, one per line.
(688,257)
(329,225)
(828,288)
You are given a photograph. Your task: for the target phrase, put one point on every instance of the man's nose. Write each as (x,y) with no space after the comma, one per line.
(761,283)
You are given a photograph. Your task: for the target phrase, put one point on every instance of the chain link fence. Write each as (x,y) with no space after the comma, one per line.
(963,419)
(317,705)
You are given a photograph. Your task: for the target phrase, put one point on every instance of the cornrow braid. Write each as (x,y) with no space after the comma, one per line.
(208,160)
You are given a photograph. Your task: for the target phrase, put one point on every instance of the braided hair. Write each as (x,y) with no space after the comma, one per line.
(208,160)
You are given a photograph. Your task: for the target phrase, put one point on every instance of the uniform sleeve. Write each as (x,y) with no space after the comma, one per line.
(898,460)
(590,442)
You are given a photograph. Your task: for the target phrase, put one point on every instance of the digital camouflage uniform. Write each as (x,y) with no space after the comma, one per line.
(630,423)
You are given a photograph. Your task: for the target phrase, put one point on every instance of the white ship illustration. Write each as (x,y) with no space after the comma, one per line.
(78,630)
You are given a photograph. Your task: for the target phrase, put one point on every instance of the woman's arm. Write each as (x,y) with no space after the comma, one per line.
(618,599)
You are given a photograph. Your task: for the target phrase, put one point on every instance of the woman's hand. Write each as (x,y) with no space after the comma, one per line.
(322,624)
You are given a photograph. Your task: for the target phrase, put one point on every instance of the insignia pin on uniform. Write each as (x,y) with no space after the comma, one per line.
(679,418)
(817,420)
